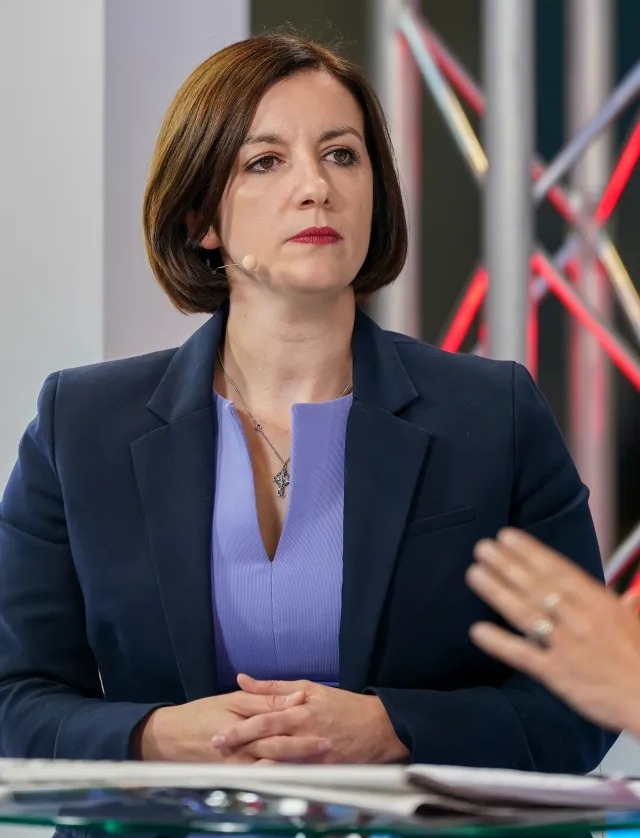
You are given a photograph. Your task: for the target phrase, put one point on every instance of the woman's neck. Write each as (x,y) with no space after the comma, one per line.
(284,353)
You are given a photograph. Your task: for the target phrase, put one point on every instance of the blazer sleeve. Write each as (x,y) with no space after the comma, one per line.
(519,724)
(51,700)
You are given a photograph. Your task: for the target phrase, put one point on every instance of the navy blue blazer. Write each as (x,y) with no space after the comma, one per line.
(105,535)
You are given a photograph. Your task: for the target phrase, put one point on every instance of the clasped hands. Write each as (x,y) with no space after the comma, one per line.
(272,721)
(310,723)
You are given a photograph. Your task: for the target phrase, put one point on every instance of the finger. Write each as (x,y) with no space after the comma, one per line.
(284,722)
(578,595)
(512,604)
(515,651)
(532,551)
(505,563)
(544,563)
(248,705)
(288,748)
(540,574)
(251,685)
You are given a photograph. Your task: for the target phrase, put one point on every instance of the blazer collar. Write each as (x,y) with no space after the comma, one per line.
(175,472)
(379,376)
(186,385)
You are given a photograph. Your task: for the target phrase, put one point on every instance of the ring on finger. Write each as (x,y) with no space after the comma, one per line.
(551,601)
(540,632)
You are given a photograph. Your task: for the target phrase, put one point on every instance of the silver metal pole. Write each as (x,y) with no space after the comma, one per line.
(398,84)
(589,82)
(624,555)
(626,91)
(445,99)
(508,34)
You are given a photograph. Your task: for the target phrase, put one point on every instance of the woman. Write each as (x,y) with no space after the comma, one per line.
(294,493)
(586,640)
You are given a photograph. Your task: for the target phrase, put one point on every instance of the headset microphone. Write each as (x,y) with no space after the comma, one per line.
(249,263)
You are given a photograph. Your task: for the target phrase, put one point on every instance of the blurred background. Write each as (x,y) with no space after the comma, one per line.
(84,85)
(450,229)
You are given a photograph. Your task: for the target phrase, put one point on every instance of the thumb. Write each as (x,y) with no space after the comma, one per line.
(251,685)
(281,702)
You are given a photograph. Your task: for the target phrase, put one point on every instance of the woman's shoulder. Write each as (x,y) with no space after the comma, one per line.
(95,394)
(117,374)
(426,362)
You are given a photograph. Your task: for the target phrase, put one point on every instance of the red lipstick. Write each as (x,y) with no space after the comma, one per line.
(317,235)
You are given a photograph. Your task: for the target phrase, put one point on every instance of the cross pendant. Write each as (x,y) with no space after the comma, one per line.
(282,480)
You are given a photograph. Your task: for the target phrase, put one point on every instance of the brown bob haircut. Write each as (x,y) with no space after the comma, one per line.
(199,140)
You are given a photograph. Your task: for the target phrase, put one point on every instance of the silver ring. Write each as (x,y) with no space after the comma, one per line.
(540,632)
(551,602)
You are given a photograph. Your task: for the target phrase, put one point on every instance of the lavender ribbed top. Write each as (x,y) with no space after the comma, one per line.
(280,619)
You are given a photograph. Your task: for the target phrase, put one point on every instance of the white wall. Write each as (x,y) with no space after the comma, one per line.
(51,209)
(145,64)
(624,757)
(83,86)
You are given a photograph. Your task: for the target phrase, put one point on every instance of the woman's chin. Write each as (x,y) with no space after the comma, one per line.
(314,284)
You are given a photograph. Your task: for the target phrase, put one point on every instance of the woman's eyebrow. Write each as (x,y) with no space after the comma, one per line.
(253,139)
(276,139)
(334,133)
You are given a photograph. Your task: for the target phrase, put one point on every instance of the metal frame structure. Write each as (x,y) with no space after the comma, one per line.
(587,271)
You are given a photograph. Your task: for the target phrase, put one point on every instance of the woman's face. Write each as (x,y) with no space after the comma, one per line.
(303,166)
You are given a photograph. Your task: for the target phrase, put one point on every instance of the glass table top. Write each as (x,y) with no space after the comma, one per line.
(168,812)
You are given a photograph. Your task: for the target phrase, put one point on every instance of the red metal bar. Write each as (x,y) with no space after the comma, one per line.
(615,349)
(556,195)
(467,310)
(620,176)
(472,94)
(532,337)
(634,587)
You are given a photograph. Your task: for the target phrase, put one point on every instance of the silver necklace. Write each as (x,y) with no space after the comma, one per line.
(283,477)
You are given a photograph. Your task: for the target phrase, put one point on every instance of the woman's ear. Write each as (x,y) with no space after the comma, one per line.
(210,240)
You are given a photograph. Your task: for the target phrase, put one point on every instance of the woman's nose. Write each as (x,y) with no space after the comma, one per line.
(313,186)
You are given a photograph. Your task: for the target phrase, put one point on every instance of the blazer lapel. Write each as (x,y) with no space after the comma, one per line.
(384,458)
(175,468)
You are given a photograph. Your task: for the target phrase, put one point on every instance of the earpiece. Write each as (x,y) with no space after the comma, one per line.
(249,263)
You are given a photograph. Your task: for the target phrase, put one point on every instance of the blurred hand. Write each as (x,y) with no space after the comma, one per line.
(352,728)
(581,640)
(184,733)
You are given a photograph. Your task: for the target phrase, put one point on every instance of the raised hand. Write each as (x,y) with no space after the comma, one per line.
(580,640)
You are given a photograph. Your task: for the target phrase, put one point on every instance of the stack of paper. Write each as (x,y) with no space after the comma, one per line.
(395,790)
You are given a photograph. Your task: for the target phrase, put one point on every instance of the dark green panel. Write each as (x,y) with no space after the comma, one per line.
(343,21)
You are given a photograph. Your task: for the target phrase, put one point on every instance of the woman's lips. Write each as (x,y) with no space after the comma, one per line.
(317,235)
(312,239)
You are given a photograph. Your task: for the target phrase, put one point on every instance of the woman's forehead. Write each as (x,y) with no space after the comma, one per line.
(313,100)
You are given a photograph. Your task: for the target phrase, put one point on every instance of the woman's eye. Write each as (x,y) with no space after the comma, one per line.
(343,156)
(263,164)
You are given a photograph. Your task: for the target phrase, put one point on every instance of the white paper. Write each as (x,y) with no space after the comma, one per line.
(393,789)
(506,786)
